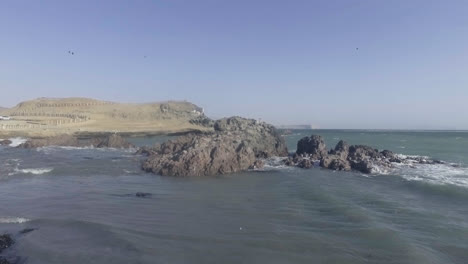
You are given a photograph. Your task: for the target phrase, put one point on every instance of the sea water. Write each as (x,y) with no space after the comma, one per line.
(83,206)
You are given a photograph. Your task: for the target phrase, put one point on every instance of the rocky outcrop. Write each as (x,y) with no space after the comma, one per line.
(5,142)
(313,146)
(345,157)
(237,144)
(111,141)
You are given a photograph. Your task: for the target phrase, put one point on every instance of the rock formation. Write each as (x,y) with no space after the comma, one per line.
(312,150)
(236,145)
(5,142)
(314,146)
(111,141)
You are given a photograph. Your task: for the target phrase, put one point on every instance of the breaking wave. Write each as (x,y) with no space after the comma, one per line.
(13,220)
(50,149)
(434,173)
(35,171)
(17,141)
(443,173)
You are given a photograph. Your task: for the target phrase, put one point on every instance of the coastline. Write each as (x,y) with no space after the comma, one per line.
(88,134)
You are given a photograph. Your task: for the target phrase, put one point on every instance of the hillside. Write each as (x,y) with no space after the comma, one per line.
(50,116)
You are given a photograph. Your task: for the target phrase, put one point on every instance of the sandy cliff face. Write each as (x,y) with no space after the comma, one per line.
(47,116)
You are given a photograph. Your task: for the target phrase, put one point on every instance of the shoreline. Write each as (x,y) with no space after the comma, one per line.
(91,134)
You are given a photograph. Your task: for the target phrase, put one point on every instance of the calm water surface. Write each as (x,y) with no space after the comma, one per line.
(82,203)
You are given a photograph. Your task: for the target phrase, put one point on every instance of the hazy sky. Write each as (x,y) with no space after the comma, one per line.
(287,62)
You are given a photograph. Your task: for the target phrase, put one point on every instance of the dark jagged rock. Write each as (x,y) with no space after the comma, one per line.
(5,142)
(335,162)
(146,151)
(344,157)
(237,144)
(258,164)
(5,242)
(111,141)
(362,158)
(305,164)
(341,149)
(364,166)
(388,154)
(314,146)
(357,152)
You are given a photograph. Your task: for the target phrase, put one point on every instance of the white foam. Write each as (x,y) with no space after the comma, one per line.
(275,163)
(49,149)
(440,174)
(434,173)
(13,220)
(35,171)
(17,141)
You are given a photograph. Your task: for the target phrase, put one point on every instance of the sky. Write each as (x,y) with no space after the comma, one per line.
(356,64)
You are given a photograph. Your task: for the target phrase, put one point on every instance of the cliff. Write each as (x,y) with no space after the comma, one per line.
(53,116)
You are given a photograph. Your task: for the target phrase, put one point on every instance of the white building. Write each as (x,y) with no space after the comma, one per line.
(5,118)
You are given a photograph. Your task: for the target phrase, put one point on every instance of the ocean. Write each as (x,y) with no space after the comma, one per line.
(83,206)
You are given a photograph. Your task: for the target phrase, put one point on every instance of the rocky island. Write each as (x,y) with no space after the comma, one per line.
(236,144)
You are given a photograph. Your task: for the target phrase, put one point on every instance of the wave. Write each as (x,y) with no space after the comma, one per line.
(49,149)
(35,171)
(275,163)
(433,173)
(13,220)
(17,141)
(411,170)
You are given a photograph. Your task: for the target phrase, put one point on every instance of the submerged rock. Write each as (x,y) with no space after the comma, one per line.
(237,144)
(143,195)
(111,141)
(27,230)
